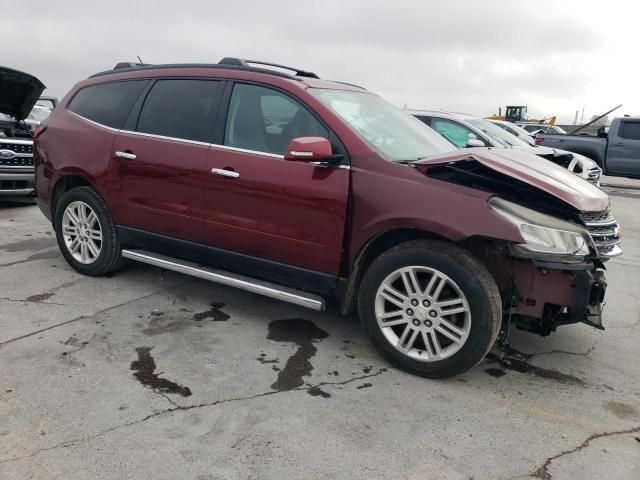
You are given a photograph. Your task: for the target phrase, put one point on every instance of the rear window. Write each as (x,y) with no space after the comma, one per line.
(107,103)
(630,130)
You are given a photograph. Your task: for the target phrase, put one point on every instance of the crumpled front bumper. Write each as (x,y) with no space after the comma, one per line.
(589,309)
(540,298)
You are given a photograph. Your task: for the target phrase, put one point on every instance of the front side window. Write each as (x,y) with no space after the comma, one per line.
(107,103)
(630,130)
(456,133)
(393,134)
(266,120)
(180,109)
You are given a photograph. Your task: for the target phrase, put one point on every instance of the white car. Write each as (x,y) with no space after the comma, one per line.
(535,128)
(470,131)
(513,129)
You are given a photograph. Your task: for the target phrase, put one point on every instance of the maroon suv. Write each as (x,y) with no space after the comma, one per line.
(303,189)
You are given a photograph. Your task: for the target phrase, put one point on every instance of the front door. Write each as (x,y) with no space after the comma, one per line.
(623,154)
(265,207)
(162,163)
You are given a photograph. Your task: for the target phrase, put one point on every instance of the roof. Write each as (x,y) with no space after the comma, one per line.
(236,64)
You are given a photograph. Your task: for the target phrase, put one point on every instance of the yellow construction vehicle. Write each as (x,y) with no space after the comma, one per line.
(518,113)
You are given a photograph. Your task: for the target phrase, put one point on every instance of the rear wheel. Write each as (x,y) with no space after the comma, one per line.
(86,233)
(430,307)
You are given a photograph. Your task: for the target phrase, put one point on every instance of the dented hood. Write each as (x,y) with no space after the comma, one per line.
(534,170)
(19,92)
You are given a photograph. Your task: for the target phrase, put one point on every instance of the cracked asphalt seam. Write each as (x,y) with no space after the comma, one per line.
(543,472)
(179,408)
(92,315)
(7,299)
(566,352)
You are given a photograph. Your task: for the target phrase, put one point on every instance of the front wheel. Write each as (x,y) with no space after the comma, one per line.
(86,233)
(430,307)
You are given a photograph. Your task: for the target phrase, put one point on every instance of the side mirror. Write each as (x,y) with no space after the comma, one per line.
(474,142)
(309,149)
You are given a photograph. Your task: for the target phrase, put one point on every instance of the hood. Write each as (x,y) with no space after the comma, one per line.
(19,92)
(535,171)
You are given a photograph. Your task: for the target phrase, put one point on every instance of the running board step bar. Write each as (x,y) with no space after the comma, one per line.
(249,284)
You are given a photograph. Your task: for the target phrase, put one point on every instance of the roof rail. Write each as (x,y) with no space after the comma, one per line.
(246,63)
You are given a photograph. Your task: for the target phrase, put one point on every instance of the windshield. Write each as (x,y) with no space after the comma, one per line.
(394,134)
(498,134)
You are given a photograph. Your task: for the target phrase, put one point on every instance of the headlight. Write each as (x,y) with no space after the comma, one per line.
(544,235)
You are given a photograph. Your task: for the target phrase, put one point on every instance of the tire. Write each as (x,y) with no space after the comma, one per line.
(108,257)
(467,308)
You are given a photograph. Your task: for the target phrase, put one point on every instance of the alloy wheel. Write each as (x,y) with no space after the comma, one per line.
(423,313)
(82,232)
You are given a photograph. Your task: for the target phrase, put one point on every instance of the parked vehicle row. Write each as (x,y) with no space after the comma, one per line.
(468,131)
(309,190)
(616,151)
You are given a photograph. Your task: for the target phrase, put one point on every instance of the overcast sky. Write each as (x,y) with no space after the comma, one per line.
(468,56)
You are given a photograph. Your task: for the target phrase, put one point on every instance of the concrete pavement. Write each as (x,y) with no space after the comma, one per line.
(151,374)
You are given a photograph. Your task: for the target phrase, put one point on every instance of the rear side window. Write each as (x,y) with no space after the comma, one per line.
(630,130)
(107,103)
(180,109)
(265,120)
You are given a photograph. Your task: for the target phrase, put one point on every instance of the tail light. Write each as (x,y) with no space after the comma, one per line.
(538,140)
(38,131)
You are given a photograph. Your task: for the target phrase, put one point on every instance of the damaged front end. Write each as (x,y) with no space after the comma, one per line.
(555,276)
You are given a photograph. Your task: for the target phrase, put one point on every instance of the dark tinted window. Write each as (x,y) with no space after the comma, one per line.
(266,120)
(180,109)
(630,130)
(108,103)
(424,119)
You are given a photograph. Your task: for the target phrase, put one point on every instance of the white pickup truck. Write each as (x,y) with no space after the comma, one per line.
(617,151)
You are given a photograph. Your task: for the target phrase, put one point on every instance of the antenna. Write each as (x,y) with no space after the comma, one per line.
(141,62)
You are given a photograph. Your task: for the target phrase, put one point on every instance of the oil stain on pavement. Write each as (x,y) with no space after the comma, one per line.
(145,367)
(522,366)
(214,314)
(302,333)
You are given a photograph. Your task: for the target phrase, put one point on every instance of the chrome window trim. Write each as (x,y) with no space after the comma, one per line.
(163,137)
(111,129)
(184,140)
(244,150)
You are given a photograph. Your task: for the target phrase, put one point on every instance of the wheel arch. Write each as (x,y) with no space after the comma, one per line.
(371,249)
(65,183)
(390,238)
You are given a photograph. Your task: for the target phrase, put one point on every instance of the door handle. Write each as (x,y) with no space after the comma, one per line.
(225,173)
(619,144)
(126,155)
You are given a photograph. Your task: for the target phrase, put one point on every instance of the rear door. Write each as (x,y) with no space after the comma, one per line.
(623,155)
(262,206)
(162,154)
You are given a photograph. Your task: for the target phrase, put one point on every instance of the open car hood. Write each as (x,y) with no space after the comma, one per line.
(533,170)
(19,92)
